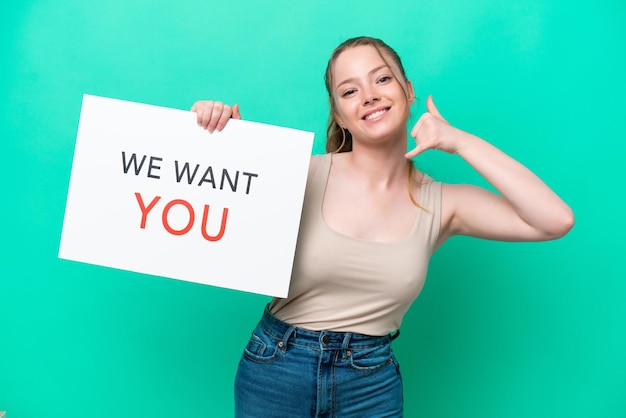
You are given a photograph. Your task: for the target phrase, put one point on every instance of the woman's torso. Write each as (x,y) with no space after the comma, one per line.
(343,283)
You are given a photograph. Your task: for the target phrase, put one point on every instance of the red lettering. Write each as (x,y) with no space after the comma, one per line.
(144,209)
(205,217)
(166,210)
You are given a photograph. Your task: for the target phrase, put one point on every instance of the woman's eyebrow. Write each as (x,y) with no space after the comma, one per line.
(348,80)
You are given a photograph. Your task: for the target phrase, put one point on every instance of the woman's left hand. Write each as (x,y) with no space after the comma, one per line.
(508,215)
(432,131)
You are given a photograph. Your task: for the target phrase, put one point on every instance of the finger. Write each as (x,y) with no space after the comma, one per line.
(416,128)
(218,108)
(236,113)
(197,108)
(415,151)
(205,115)
(224,117)
(432,109)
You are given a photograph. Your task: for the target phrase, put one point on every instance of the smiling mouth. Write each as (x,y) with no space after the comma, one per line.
(375,114)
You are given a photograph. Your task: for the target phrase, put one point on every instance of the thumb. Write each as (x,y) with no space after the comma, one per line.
(432,109)
(236,113)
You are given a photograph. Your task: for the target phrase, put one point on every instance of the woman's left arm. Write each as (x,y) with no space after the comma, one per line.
(526,209)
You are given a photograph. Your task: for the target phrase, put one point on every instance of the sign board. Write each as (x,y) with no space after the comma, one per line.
(151,192)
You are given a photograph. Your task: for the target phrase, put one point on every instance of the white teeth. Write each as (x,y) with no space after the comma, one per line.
(375,114)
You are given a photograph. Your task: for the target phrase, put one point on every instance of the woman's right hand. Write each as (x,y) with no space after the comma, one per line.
(214,115)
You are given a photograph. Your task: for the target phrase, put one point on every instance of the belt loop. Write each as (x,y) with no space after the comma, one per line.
(345,345)
(283,343)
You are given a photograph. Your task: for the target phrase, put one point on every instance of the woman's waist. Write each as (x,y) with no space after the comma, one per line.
(330,339)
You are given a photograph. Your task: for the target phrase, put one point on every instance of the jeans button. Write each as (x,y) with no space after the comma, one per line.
(325,339)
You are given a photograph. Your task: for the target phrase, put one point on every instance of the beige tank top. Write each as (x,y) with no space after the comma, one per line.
(346,284)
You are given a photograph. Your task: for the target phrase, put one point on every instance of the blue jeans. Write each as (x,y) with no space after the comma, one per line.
(290,372)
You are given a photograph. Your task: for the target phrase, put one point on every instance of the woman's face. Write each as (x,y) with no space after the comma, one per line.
(370,101)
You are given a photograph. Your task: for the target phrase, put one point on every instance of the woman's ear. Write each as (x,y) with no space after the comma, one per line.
(335,114)
(410,92)
(338,119)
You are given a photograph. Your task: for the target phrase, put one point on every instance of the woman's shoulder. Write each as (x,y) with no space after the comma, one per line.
(320,158)
(319,162)
(431,189)
(424,179)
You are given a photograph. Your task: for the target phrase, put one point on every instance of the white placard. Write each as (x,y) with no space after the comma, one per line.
(151,192)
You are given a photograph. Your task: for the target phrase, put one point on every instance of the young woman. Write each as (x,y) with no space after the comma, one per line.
(369,226)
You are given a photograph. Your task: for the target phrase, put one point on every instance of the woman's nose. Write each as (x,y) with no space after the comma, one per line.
(370,97)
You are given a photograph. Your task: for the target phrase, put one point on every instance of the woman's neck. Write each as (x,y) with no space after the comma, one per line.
(383,166)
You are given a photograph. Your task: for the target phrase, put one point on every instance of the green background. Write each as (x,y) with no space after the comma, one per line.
(500,330)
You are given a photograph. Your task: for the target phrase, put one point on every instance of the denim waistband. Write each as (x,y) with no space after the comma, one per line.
(320,339)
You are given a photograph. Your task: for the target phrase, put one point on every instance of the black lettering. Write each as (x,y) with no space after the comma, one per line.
(233,186)
(208,177)
(153,166)
(132,161)
(250,175)
(179,174)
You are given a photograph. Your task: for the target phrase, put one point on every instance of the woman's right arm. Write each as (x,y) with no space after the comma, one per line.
(214,115)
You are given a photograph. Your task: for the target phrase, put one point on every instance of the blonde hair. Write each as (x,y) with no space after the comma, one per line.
(339,139)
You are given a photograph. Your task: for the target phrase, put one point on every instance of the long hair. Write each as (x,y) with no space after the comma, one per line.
(339,139)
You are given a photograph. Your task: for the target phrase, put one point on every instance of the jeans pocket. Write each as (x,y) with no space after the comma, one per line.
(261,348)
(370,359)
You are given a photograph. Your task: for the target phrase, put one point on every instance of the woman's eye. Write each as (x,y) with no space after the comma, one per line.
(384,79)
(347,93)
